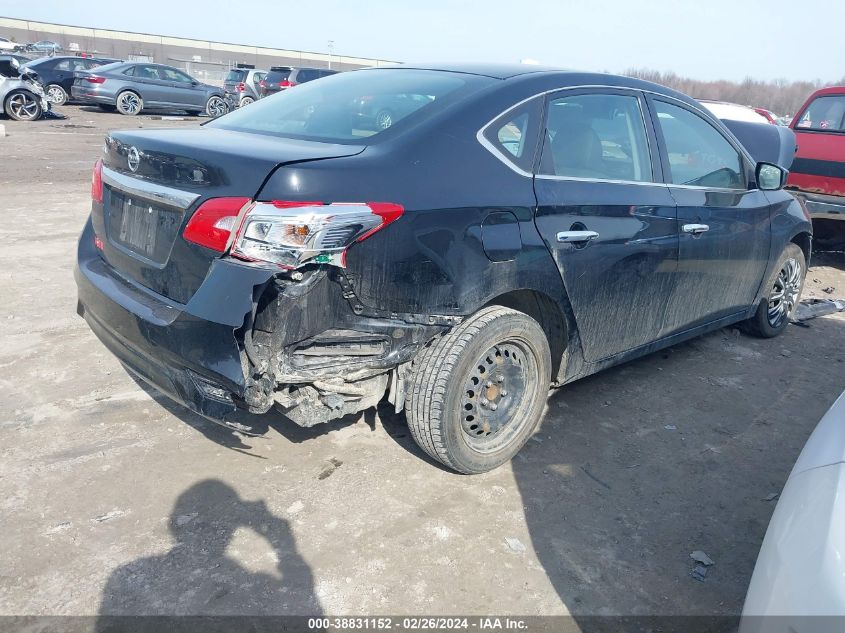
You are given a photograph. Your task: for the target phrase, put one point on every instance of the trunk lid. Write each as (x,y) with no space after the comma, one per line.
(154,180)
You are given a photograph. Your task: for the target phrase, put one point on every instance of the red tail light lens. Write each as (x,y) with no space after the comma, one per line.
(241,87)
(262,83)
(284,83)
(291,234)
(95,79)
(97,182)
(212,224)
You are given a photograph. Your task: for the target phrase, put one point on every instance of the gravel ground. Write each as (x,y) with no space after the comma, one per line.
(114,500)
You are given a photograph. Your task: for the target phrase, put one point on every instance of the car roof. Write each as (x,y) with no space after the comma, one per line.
(496,71)
(830,90)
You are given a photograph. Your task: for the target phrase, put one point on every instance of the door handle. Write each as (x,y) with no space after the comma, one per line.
(576,236)
(696,229)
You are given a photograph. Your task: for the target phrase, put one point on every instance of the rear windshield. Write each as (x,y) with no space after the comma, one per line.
(275,76)
(236,75)
(826,114)
(348,107)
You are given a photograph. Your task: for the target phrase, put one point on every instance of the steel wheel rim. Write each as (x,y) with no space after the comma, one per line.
(246,101)
(55,94)
(23,106)
(384,120)
(494,395)
(129,103)
(784,293)
(216,107)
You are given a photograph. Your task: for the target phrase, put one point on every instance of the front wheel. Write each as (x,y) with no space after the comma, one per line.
(56,94)
(479,390)
(216,106)
(783,290)
(23,106)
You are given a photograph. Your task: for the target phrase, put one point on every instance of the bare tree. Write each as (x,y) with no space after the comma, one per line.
(780,96)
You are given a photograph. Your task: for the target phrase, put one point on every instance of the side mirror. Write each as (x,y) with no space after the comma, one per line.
(770,177)
(194,82)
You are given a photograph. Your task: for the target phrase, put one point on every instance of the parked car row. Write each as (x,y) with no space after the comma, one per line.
(45,47)
(129,87)
(245,85)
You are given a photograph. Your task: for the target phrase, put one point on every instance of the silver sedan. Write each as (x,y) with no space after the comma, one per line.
(130,87)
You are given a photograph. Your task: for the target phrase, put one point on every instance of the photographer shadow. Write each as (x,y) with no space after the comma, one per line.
(197,577)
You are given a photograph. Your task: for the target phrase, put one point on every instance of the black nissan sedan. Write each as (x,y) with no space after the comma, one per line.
(518,228)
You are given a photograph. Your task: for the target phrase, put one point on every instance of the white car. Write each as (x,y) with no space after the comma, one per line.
(733,112)
(7,45)
(800,571)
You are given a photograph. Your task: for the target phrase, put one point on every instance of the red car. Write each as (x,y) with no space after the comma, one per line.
(818,172)
(770,116)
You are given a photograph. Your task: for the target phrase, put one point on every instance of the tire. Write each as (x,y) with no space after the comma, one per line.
(216,106)
(22,105)
(783,291)
(105,107)
(246,101)
(461,379)
(384,119)
(56,94)
(129,103)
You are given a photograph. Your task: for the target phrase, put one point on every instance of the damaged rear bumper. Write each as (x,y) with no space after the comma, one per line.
(251,338)
(187,351)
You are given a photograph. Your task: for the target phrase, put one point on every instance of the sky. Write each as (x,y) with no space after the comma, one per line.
(702,39)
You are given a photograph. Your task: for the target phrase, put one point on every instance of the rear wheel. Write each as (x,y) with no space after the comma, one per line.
(783,292)
(246,101)
(56,94)
(23,106)
(479,390)
(129,103)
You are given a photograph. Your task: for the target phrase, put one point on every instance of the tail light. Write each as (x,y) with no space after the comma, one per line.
(97,182)
(241,87)
(262,83)
(94,79)
(212,224)
(284,83)
(291,234)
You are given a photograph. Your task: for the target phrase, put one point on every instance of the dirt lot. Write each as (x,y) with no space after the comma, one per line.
(114,500)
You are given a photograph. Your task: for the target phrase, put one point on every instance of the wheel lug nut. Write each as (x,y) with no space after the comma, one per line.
(484,402)
(501,379)
(504,392)
(494,406)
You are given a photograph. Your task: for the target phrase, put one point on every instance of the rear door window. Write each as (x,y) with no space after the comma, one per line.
(825,114)
(698,154)
(596,136)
